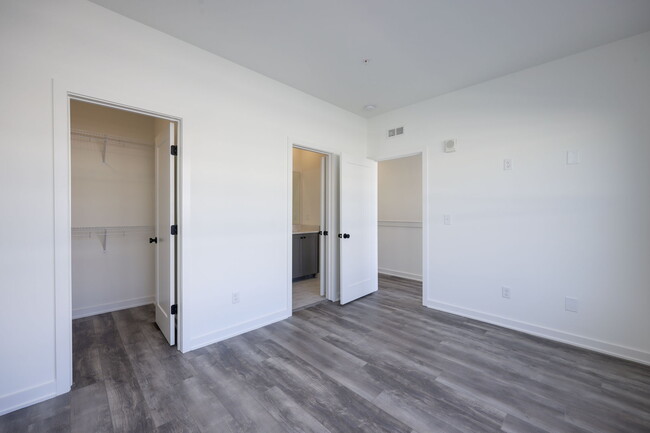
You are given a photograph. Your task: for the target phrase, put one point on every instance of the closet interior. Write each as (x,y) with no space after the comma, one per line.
(113,208)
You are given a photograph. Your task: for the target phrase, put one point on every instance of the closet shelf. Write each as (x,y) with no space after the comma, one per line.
(104,140)
(113,229)
(103,233)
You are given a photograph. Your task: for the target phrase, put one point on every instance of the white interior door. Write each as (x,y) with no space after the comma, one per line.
(165,218)
(358,228)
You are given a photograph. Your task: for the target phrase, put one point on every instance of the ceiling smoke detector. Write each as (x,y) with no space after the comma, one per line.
(369,107)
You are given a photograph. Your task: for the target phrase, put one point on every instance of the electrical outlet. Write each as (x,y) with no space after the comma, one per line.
(235,297)
(507,164)
(447,220)
(505,292)
(571,304)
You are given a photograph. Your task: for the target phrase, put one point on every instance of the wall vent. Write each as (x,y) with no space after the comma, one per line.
(395,131)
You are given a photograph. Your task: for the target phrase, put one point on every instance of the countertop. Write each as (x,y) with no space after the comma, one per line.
(302,229)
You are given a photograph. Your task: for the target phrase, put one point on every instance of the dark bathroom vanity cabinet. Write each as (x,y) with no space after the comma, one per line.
(305,254)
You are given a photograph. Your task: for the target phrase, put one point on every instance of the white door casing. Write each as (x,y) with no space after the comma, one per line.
(323,226)
(358,228)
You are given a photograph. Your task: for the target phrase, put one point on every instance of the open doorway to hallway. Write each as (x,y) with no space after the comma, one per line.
(400,217)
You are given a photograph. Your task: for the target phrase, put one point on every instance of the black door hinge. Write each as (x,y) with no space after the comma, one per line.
(174,229)
(174,309)
(174,150)
(325,233)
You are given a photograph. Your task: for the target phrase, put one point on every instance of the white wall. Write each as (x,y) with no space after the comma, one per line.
(400,216)
(117,192)
(546,230)
(308,164)
(234,163)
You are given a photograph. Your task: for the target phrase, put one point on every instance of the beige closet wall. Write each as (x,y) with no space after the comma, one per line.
(98,118)
(117,193)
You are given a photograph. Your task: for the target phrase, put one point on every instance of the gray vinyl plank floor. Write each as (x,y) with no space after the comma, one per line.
(381,364)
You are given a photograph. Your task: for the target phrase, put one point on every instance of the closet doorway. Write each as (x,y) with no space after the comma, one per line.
(400,216)
(309,227)
(123,171)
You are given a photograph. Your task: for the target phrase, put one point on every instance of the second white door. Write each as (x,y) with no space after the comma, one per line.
(358,228)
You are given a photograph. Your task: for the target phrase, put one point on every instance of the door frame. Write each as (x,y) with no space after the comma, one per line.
(62,94)
(425,214)
(331,284)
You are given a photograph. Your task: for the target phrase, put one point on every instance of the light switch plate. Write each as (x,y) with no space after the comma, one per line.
(507,164)
(572,157)
(447,220)
(571,304)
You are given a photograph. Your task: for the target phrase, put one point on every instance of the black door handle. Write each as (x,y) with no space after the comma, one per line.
(153,240)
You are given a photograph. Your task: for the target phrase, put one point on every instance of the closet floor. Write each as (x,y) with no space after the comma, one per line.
(383,363)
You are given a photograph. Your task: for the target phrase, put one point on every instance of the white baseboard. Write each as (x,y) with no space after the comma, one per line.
(232,331)
(27,397)
(78,313)
(400,274)
(548,333)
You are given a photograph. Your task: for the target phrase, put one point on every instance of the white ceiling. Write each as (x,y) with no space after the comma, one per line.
(418,49)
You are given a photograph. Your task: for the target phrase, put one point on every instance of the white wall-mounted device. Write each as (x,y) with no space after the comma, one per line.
(449,145)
